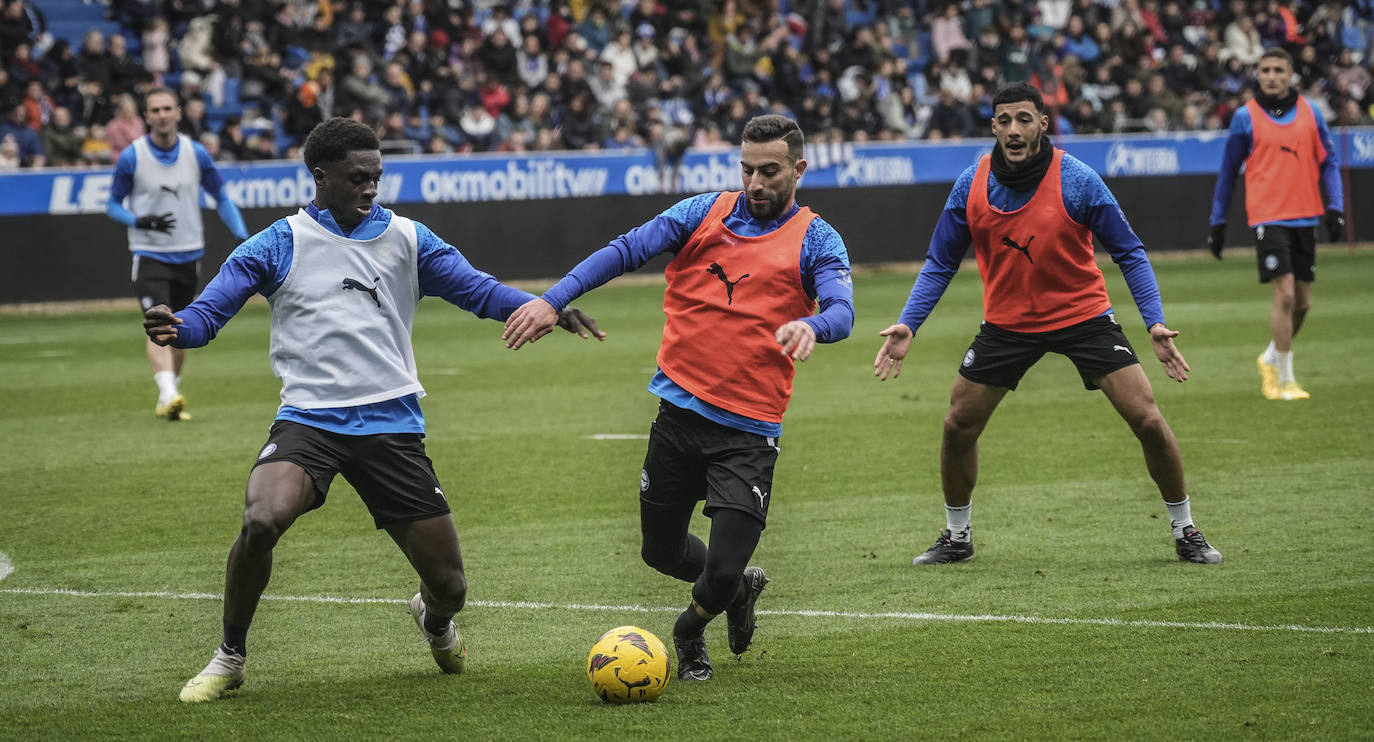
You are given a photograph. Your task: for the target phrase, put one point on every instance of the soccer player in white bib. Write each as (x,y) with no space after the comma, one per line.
(161,176)
(343,277)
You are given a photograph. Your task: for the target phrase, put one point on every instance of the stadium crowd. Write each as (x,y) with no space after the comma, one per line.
(440,76)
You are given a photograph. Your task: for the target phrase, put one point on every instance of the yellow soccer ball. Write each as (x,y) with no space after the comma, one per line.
(628,665)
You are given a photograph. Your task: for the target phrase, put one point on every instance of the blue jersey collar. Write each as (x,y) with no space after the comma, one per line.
(375,223)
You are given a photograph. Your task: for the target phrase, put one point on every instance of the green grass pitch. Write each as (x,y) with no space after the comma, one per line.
(1074,621)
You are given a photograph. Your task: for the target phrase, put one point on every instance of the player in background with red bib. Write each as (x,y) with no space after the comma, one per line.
(747,272)
(1030,212)
(1289,160)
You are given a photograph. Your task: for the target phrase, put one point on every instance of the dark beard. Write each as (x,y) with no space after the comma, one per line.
(1028,175)
(1277,106)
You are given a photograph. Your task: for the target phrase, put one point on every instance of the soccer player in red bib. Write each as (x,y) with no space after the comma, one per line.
(1030,212)
(1289,160)
(747,273)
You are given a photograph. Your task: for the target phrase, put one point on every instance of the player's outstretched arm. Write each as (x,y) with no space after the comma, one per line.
(161,324)
(797,339)
(888,362)
(1162,339)
(536,318)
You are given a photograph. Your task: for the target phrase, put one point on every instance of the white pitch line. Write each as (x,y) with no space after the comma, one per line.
(850,615)
(6,566)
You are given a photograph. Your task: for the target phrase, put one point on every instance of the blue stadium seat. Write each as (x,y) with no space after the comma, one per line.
(231,91)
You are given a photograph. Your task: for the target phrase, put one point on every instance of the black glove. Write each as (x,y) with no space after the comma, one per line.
(158,222)
(1335,225)
(1216,239)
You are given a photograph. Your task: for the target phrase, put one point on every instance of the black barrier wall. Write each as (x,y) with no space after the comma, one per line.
(64,258)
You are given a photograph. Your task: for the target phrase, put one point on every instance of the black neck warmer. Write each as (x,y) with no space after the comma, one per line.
(1277,106)
(1026,177)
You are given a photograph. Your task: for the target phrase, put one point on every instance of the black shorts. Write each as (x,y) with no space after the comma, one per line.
(390,471)
(156,282)
(1001,357)
(691,458)
(1283,250)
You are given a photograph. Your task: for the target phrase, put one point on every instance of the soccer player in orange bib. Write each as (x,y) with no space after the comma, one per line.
(1030,212)
(1289,160)
(747,272)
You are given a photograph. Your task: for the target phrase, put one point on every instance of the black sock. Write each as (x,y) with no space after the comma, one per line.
(235,639)
(436,625)
(690,624)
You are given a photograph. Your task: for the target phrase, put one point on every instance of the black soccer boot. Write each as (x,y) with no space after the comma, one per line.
(946,550)
(1194,548)
(692,661)
(739,615)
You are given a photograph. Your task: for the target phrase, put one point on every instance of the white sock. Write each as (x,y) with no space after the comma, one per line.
(957,520)
(1180,516)
(223,663)
(1270,354)
(1285,367)
(166,386)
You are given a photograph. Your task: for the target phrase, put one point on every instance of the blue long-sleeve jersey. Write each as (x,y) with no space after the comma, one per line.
(824,275)
(123,184)
(1241,140)
(1086,200)
(260,264)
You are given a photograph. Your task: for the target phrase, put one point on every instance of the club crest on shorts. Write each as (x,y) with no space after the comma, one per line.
(267,450)
(1271,262)
(643,480)
(968,358)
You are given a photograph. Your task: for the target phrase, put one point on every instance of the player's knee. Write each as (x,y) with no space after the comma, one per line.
(1150,426)
(1285,301)
(960,430)
(661,558)
(716,588)
(260,531)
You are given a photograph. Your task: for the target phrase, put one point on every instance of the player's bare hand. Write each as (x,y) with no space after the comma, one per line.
(1162,339)
(888,363)
(532,320)
(578,322)
(161,324)
(797,339)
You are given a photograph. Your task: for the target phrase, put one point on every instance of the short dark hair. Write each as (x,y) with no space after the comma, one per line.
(332,140)
(161,90)
(1275,52)
(1017,92)
(771,127)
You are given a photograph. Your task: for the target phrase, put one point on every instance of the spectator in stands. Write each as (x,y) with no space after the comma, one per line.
(19,24)
(606,86)
(61,141)
(1243,41)
(22,66)
(126,73)
(93,60)
(39,105)
(232,140)
(59,71)
(193,120)
(9,154)
(359,90)
(595,29)
(95,148)
(126,126)
(950,119)
(478,127)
